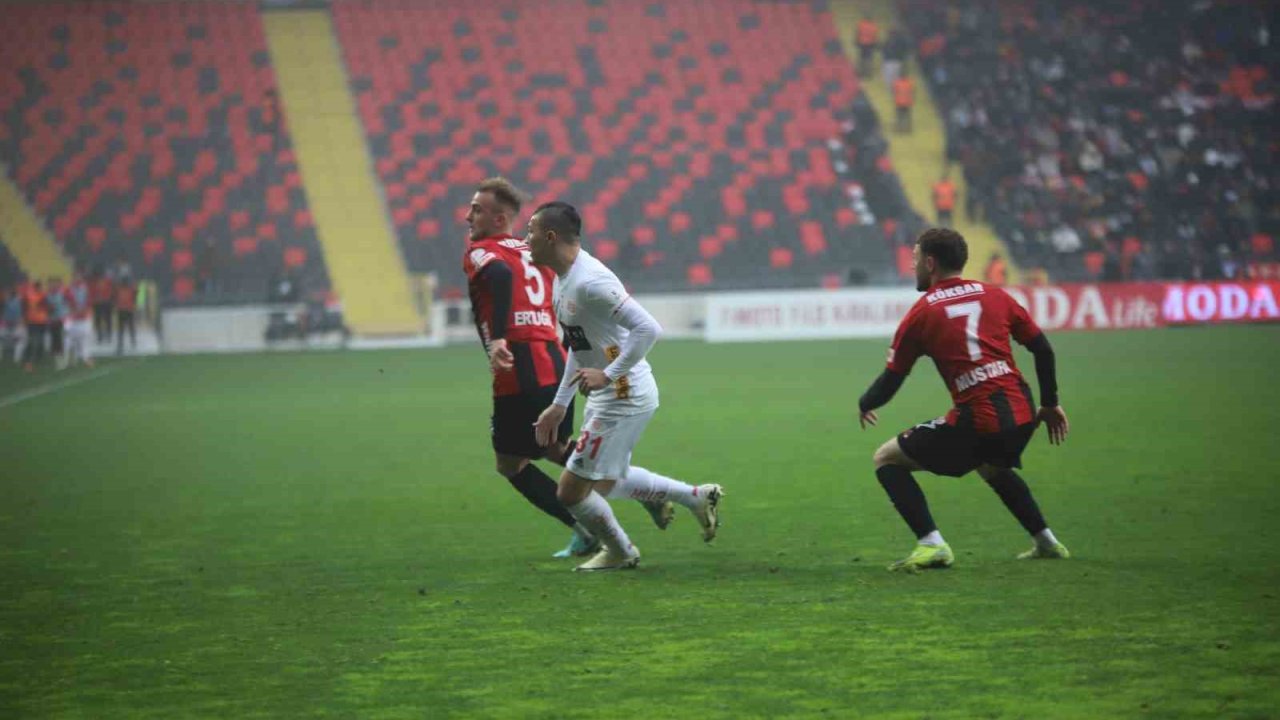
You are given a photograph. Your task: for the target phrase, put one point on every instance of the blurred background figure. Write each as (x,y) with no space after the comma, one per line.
(80,338)
(126,305)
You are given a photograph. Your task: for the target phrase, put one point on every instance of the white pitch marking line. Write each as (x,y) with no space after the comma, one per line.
(36,392)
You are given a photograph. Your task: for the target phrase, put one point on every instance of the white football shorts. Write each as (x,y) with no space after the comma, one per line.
(603,450)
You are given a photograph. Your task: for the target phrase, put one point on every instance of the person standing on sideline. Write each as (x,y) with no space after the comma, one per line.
(80,325)
(102,293)
(126,302)
(59,311)
(14,336)
(35,312)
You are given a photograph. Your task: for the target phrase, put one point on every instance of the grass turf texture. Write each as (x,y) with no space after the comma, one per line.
(323,535)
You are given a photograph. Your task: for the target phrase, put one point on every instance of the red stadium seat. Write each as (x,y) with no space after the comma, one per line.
(699,275)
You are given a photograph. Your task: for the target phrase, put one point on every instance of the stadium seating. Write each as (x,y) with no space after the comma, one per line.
(137,131)
(692,136)
(1100,149)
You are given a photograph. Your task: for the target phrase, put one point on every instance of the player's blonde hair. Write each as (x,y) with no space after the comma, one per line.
(504,191)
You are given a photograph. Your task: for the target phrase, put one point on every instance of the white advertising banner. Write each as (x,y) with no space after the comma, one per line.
(806,315)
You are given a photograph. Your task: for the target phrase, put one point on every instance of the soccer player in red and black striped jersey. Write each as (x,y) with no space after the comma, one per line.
(511,302)
(965,327)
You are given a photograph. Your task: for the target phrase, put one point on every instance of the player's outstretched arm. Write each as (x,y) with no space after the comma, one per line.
(878,395)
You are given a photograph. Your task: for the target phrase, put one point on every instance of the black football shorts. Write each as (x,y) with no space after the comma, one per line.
(945,449)
(511,424)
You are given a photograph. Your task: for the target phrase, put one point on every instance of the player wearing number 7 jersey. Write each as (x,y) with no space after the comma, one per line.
(965,327)
(608,334)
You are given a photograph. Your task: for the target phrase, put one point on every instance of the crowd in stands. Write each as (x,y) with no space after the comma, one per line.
(1115,141)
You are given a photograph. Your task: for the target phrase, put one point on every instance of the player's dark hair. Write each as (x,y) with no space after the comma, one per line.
(946,246)
(507,194)
(561,217)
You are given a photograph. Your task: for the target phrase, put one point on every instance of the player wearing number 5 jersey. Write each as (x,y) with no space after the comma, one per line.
(511,301)
(608,334)
(965,326)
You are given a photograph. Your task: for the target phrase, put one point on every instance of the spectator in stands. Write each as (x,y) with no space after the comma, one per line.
(269,118)
(1077,125)
(894,57)
(904,99)
(867,37)
(35,312)
(944,200)
(102,294)
(126,307)
(996,272)
(59,311)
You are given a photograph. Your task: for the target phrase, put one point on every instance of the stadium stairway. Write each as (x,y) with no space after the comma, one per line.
(350,216)
(919,157)
(26,237)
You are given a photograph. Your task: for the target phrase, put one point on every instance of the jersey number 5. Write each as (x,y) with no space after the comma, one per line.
(971,312)
(536,288)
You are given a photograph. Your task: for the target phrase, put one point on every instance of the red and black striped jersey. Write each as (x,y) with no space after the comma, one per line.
(965,327)
(511,299)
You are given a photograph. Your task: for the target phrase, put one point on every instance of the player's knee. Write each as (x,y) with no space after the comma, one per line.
(886,454)
(509,466)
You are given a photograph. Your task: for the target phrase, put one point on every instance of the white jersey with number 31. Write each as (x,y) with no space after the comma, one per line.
(587,299)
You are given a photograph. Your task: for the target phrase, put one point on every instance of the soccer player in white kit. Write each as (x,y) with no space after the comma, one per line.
(608,334)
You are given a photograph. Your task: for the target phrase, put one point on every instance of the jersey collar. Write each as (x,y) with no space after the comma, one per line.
(949,282)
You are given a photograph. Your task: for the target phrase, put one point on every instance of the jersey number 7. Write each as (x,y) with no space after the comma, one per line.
(971,312)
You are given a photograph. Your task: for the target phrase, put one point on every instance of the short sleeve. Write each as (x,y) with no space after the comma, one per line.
(475,259)
(906,347)
(1021,326)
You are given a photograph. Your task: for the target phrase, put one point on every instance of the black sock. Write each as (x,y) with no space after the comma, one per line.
(1015,494)
(907,497)
(540,490)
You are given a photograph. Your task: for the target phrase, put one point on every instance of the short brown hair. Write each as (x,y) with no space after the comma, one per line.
(946,246)
(507,194)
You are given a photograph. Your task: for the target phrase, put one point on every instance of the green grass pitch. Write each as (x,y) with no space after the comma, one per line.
(322,535)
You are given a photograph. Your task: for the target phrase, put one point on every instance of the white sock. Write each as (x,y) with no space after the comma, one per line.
(581,530)
(595,514)
(1045,538)
(648,486)
(933,539)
